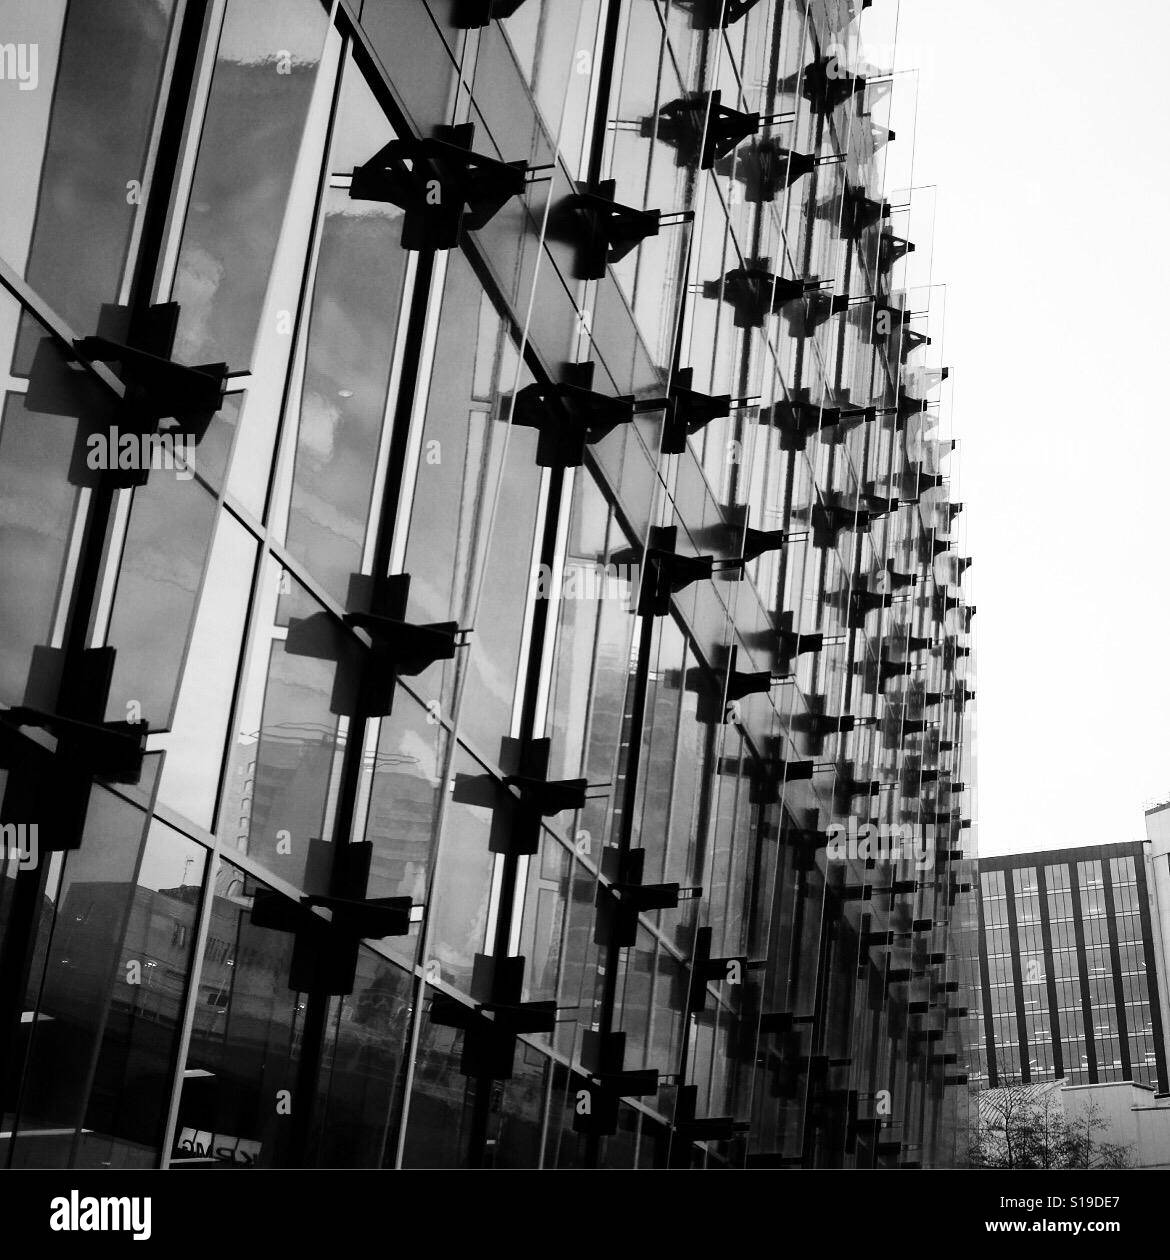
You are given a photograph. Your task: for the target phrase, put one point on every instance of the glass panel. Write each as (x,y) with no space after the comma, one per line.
(280,789)
(405,797)
(455,495)
(459,908)
(419,65)
(495,646)
(36,511)
(547,39)
(198,736)
(650,824)
(355,309)
(357,295)
(518,1135)
(360,1079)
(546,904)
(440,1103)
(265,71)
(111,994)
(108,63)
(245,1040)
(167,543)
(33,29)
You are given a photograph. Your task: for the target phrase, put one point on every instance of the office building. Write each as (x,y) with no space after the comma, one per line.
(1070,969)
(486,665)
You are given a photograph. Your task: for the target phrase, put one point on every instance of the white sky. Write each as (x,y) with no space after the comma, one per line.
(1044,124)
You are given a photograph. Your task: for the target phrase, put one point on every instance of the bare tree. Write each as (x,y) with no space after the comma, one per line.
(1022,1129)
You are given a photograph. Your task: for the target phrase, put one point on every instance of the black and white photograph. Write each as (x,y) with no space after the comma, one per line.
(582,589)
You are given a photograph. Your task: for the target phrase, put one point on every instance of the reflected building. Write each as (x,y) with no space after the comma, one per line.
(373,829)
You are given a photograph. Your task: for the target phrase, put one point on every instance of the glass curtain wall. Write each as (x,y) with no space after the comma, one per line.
(485,654)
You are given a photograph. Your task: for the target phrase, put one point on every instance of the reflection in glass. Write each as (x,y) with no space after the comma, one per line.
(279,788)
(244,1041)
(405,796)
(36,511)
(109,65)
(109,997)
(196,741)
(350,346)
(167,543)
(264,72)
